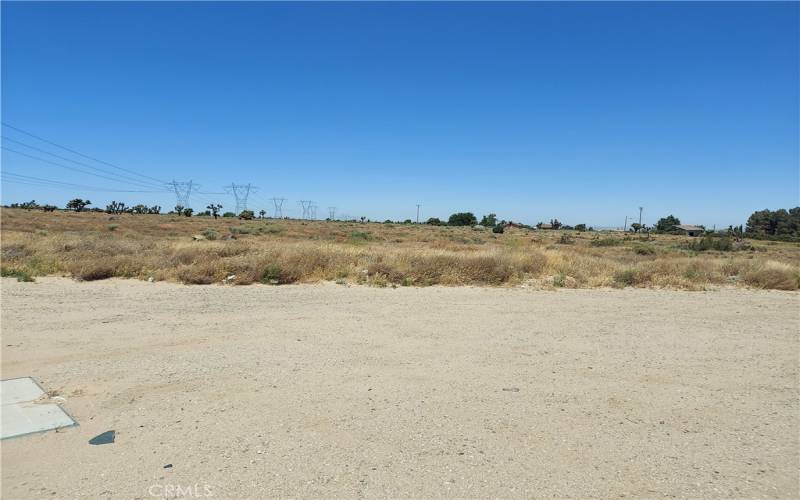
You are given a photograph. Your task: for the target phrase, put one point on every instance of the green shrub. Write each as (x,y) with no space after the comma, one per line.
(709,242)
(210,234)
(627,277)
(358,237)
(112,227)
(642,249)
(229,214)
(8,272)
(275,275)
(462,219)
(247,215)
(605,242)
(498,229)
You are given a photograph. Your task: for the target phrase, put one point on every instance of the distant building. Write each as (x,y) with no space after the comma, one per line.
(689,229)
(545,226)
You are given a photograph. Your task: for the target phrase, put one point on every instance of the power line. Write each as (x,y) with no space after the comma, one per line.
(37,181)
(81,154)
(75,169)
(127,178)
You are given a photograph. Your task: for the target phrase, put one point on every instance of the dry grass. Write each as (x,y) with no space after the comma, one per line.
(283,251)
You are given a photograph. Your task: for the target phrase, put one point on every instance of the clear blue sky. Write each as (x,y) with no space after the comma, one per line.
(580,111)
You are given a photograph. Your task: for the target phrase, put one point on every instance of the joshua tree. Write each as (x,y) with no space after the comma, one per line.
(78,204)
(214,207)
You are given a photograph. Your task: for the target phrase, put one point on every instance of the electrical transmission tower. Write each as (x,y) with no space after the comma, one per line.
(183,191)
(332,213)
(278,207)
(312,211)
(306,206)
(240,192)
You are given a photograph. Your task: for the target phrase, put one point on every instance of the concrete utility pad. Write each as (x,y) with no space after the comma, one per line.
(21,415)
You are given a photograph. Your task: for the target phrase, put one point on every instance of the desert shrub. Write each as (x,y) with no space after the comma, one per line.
(247,215)
(626,277)
(21,275)
(498,229)
(773,275)
(15,251)
(199,274)
(559,280)
(605,242)
(642,249)
(390,272)
(94,271)
(358,237)
(112,227)
(708,242)
(273,275)
(210,234)
(532,262)
(229,214)
(565,239)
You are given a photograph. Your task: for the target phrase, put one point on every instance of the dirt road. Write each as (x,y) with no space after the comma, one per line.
(331,391)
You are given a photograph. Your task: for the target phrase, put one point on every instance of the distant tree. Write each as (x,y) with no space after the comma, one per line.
(229,214)
(580,227)
(140,209)
(363,219)
(434,221)
(555,223)
(215,208)
(155,210)
(78,204)
(247,215)
(462,219)
(262,213)
(49,208)
(115,207)
(636,227)
(179,209)
(187,212)
(29,205)
(489,220)
(667,224)
(498,228)
(779,224)
(407,221)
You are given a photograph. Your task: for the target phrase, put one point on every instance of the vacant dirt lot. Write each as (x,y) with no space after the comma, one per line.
(334,391)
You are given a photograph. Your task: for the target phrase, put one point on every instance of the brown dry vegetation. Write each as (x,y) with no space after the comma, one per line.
(91,246)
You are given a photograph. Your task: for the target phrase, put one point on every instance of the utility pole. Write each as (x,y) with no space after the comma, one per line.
(418,205)
(625,229)
(183,191)
(241,192)
(278,202)
(640,216)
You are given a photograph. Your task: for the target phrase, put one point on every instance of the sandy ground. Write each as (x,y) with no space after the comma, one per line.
(332,391)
